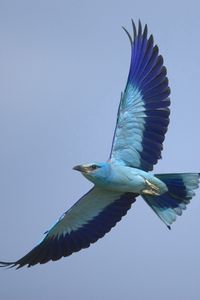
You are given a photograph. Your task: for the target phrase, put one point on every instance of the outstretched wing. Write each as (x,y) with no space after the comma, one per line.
(143,114)
(84,223)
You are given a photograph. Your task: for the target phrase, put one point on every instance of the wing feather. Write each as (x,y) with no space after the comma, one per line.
(143,114)
(84,223)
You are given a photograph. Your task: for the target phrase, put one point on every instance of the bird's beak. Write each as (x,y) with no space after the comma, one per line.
(81,168)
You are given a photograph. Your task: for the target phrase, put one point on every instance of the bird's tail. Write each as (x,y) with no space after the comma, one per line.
(180,191)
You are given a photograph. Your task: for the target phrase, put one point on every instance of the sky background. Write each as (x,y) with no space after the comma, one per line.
(63,65)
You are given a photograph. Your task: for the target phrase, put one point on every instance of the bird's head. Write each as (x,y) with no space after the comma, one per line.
(95,172)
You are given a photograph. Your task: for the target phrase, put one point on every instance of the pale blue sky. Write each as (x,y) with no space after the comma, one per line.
(63,65)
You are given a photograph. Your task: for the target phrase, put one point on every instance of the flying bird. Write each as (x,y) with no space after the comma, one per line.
(142,121)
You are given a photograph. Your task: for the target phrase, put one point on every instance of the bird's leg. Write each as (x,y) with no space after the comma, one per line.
(151,189)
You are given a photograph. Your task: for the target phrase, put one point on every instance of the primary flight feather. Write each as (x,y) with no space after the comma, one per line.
(142,121)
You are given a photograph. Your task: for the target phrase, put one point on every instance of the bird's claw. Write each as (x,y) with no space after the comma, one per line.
(151,189)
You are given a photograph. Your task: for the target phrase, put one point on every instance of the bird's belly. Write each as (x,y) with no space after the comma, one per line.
(134,185)
(134,181)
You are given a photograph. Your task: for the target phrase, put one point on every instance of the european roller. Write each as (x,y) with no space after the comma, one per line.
(142,121)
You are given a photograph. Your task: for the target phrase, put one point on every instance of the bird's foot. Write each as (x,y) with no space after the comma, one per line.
(151,189)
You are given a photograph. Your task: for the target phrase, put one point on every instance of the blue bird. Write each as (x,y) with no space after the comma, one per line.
(142,121)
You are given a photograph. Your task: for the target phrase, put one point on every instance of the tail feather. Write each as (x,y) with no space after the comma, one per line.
(172,203)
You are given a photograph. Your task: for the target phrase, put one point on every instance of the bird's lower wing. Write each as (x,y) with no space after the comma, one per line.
(84,223)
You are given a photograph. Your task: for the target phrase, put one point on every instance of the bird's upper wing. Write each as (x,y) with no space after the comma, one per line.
(143,114)
(84,223)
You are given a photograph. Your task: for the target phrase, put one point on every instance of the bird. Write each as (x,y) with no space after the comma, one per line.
(142,122)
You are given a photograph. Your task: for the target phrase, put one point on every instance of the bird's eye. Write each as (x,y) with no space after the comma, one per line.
(94,167)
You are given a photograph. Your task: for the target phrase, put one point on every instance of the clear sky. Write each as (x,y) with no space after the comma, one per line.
(63,65)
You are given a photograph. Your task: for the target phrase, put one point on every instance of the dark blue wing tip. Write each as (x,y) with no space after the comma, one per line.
(7,265)
(136,33)
(128,34)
